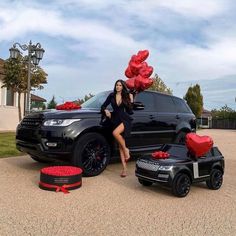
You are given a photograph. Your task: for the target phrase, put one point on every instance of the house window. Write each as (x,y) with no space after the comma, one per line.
(10,98)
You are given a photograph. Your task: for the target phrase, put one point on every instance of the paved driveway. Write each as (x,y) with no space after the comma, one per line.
(110,205)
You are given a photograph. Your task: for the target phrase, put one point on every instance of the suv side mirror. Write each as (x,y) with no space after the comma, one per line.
(138,106)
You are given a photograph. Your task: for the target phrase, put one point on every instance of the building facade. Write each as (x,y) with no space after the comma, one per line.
(9,117)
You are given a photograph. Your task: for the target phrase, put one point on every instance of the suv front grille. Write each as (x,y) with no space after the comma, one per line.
(147,166)
(30,122)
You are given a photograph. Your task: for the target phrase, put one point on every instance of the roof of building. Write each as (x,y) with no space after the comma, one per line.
(36,98)
(206,113)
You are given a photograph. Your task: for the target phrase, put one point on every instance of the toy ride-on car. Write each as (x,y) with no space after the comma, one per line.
(176,167)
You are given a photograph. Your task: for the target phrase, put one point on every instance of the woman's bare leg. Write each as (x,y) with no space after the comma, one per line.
(122,157)
(117,134)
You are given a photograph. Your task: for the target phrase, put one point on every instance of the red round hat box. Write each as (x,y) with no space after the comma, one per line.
(60,178)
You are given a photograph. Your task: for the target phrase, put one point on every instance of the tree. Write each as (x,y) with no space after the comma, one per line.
(16,77)
(52,104)
(194,99)
(224,112)
(86,97)
(159,85)
(38,105)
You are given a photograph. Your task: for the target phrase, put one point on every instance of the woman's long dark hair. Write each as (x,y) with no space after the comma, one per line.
(124,93)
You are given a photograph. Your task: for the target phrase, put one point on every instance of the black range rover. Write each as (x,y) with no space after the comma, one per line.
(78,136)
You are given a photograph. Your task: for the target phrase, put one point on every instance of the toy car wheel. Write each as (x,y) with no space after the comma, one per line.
(216,179)
(181,185)
(144,182)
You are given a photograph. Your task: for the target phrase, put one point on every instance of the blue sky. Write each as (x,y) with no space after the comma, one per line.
(88,43)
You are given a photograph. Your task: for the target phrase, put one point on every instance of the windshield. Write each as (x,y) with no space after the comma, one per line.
(96,101)
(179,151)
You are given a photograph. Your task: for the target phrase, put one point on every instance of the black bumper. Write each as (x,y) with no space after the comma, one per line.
(40,150)
(161,177)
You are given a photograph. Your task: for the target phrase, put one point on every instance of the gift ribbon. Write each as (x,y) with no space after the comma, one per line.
(60,188)
(160,155)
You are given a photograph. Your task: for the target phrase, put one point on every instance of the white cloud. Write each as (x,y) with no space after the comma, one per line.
(189,62)
(200,8)
(23,21)
(92,41)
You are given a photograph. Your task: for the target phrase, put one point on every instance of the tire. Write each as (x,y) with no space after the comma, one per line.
(40,160)
(180,138)
(92,154)
(181,185)
(216,179)
(144,182)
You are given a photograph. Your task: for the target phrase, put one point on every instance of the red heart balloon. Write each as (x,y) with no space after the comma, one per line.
(129,73)
(135,67)
(198,145)
(136,58)
(138,82)
(145,70)
(147,83)
(143,55)
(130,83)
(141,83)
(144,65)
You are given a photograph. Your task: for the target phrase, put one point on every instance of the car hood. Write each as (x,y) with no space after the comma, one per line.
(169,161)
(66,114)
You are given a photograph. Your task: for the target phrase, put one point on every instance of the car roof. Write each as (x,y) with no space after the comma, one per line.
(151,91)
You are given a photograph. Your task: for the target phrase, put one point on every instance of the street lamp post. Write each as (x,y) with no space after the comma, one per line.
(35,54)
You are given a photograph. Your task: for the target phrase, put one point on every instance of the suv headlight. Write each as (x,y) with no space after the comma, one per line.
(59,122)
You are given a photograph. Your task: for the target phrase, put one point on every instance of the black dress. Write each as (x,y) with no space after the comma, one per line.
(121,114)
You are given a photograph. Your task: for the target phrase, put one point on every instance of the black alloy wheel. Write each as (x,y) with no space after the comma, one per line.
(92,154)
(181,185)
(216,179)
(144,182)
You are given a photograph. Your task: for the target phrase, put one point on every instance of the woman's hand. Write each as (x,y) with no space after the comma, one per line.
(131,97)
(108,113)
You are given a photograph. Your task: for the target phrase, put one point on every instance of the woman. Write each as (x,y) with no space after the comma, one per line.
(121,101)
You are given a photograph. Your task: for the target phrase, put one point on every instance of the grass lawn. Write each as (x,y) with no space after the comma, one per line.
(8,145)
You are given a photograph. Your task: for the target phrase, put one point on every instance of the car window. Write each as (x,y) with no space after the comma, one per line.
(147,99)
(179,151)
(181,105)
(216,151)
(96,101)
(165,103)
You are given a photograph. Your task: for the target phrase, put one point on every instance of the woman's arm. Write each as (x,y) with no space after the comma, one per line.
(131,98)
(106,103)
(130,109)
(104,111)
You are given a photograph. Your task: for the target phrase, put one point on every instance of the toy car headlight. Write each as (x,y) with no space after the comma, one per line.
(59,122)
(165,167)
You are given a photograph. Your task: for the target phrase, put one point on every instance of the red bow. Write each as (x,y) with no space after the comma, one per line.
(59,188)
(68,106)
(160,155)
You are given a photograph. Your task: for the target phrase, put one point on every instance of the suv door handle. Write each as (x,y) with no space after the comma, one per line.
(151,117)
(177,117)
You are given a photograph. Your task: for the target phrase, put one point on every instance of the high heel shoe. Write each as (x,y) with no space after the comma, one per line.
(123,174)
